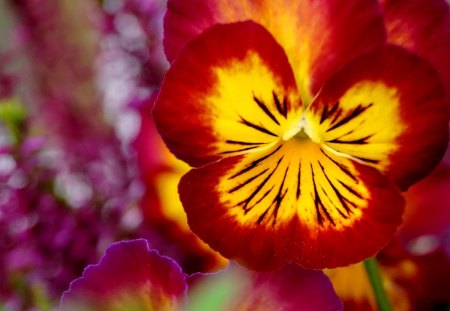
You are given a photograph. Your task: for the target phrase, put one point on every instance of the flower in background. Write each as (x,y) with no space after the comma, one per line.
(160,172)
(298,125)
(412,281)
(352,285)
(427,217)
(288,289)
(131,276)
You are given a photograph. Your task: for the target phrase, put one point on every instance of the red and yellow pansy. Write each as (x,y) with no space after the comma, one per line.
(302,124)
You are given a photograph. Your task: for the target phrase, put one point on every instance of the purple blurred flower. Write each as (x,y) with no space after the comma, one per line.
(44,240)
(130,276)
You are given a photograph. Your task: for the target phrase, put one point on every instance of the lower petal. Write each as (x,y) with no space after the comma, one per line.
(294,203)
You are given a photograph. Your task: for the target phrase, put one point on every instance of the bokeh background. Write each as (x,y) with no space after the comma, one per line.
(81,165)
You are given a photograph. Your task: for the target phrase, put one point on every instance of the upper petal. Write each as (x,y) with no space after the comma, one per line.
(386,109)
(318,36)
(422,27)
(230,91)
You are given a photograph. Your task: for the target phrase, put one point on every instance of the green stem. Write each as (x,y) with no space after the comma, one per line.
(373,272)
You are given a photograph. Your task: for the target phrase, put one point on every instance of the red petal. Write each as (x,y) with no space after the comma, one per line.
(318,36)
(422,27)
(230,91)
(324,212)
(427,206)
(129,275)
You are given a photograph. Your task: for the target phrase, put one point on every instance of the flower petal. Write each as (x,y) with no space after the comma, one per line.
(353,287)
(318,36)
(386,109)
(422,27)
(427,206)
(232,81)
(130,276)
(287,289)
(294,202)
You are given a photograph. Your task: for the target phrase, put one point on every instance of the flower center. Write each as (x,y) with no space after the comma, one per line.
(301,131)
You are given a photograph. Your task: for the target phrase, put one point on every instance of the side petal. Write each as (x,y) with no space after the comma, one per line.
(387,109)
(230,91)
(129,276)
(292,203)
(422,27)
(318,36)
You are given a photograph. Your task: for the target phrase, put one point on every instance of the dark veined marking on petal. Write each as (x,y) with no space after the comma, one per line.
(326,113)
(340,166)
(351,190)
(318,202)
(373,161)
(258,189)
(238,150)
(235,142)
(255,163)
(299,176)
(360,141)
(341,198)
(259,200)
(279,197)
(257,127)
(247,181)
(281,107)
(346,134)
(353,113)
(276,202)
(242,143)
(265,109)
(336,114)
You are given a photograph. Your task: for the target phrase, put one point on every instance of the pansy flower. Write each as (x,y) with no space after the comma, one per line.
(412,281)
(301,124)
(130,276)
(353,287)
